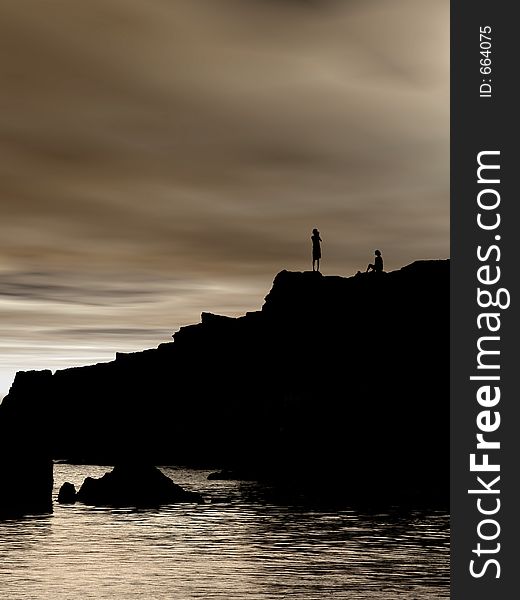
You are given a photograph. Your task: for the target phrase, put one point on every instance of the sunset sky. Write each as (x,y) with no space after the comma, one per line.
(164,157)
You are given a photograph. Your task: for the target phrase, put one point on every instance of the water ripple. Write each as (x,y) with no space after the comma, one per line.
(242,548)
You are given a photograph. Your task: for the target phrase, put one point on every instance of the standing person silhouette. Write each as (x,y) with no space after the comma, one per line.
(377,267)
(316,249)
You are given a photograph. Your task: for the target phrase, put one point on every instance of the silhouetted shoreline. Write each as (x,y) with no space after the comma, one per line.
(333,375)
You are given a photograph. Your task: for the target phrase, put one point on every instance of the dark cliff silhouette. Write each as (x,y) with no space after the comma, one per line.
(26,476)
(244,393)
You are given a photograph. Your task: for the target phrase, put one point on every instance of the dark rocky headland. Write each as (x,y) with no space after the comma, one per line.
(337,384)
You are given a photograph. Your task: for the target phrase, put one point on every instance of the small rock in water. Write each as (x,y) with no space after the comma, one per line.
(67,494)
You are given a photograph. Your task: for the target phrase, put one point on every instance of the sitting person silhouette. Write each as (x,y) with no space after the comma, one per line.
(377,267)
(316,249)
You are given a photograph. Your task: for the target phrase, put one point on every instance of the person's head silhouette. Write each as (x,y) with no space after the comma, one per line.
(377,253)
(315,230)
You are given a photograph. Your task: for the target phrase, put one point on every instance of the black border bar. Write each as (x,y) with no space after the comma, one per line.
(483,122)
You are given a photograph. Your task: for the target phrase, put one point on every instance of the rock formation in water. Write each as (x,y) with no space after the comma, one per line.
(334,379)
(67,493)
(231,475)
(134,485)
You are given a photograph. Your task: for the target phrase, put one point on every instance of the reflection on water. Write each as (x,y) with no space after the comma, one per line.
(242,547)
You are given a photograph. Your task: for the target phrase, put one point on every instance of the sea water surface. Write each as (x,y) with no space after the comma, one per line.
(244,545)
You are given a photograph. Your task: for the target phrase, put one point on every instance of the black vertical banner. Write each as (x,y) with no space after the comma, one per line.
(485,301)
